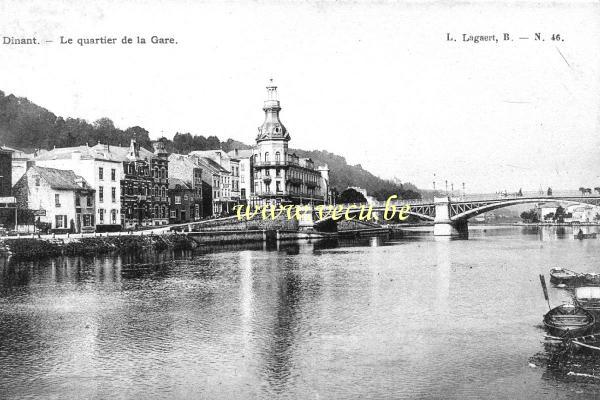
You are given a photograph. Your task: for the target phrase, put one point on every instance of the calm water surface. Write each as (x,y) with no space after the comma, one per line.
(413,317)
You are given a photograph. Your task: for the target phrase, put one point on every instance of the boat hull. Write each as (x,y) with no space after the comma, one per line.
(559,276)
(569,321)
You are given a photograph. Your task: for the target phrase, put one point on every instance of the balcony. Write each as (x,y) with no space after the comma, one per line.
(261,164)
(295,181)
(311,184)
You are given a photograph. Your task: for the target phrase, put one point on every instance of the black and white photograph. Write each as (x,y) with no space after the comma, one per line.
(299,199)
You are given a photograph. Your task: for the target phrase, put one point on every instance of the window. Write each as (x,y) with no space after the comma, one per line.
(197,210)
(89,201)
(113,195)
(267,157)
(101,194)
(101,212)
(60,221)
(277,157)
(113,216)
(37,181)
(185,197)
(277,186)
(87,220)
(113,174)
(278,172)
(101,173)
(242,179)
(256,159)
(172,213)
(57,200)
(77,200)
(177,199)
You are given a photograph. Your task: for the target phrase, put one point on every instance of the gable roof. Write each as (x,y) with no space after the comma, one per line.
(212,165)
(186,160)
(173,182)
(240,153)
(121,153)
(61,179)
(87,153)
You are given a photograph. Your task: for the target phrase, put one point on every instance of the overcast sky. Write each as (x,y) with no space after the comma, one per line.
(376,83)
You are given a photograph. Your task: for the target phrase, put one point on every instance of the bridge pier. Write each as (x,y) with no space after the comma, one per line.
(451,229)
(442,224)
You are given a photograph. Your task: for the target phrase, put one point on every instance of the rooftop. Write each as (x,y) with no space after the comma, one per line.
(61,179)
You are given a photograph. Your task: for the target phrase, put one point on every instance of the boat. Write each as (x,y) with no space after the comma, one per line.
(588,298)
(591,278)
(560,276)
(580,235)
(569,320)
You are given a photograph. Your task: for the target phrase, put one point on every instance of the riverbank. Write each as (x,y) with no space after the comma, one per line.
(31,248)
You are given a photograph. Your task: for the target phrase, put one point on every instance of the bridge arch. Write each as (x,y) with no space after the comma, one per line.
(474,209)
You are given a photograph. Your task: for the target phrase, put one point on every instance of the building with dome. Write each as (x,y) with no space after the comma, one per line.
(281,177)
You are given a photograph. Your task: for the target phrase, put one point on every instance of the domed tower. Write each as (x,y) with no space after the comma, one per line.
(272,128)
(270,155)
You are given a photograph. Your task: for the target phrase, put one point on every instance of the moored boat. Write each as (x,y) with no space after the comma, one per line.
(564,276)
(581,235)
(569,320)
(588,298)
(591,278)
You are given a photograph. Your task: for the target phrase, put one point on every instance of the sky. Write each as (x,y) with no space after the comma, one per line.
(377,82)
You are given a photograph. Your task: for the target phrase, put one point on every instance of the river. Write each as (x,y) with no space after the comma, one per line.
(410,317)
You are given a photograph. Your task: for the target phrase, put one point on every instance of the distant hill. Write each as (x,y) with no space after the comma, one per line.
(27,126)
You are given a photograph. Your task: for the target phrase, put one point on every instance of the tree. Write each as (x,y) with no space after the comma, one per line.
(520,193)
(582,190)
(530,216)
(559,215)
(351,196)
(549,191)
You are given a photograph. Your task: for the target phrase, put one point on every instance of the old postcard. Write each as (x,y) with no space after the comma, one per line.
(299,199)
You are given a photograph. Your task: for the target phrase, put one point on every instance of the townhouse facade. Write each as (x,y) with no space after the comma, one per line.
(159,165)
(216,181)
(63,200)
(136,183)
(186,170)
(101,170)
(246,185)
(185,206)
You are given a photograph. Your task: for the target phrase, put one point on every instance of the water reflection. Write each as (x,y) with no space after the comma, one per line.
(384,317)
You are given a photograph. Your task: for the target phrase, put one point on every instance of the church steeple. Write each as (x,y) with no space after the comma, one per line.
(272,128)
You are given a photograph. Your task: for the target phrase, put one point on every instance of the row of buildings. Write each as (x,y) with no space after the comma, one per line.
(109,188)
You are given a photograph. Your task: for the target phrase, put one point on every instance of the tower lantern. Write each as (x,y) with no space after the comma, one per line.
(272,128)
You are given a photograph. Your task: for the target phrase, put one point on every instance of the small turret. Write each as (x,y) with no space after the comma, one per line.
(272,128)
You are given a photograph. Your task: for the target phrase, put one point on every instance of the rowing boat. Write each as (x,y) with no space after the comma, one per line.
(569,320)
(588,298)
(564,276)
